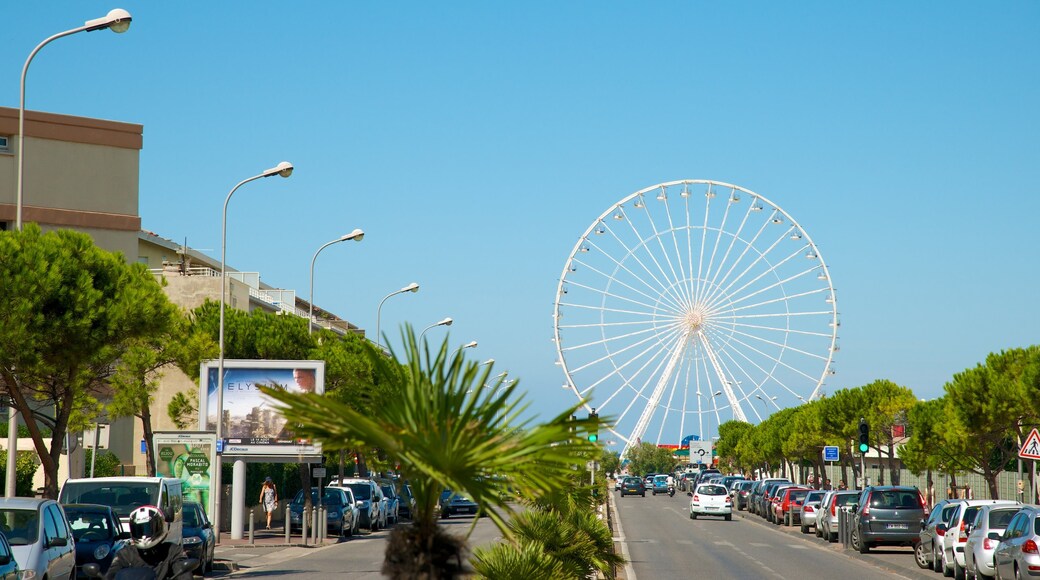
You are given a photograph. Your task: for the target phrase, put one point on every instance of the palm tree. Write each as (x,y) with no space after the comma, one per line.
(446,431)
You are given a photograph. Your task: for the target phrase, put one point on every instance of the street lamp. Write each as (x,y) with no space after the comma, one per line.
(413,287)
(446,322)
(118,20)
(470,344)
(283,169)
(357,235)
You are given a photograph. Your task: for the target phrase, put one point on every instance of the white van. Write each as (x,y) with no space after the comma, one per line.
(125,494)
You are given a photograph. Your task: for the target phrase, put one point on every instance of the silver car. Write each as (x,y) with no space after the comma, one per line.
(827,520)
(989,524)
(40,537)
(810,509)
(958,528)
(1017,555)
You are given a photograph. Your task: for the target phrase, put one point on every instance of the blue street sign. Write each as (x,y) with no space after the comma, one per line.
(220,445)
(830,453)
(686,440)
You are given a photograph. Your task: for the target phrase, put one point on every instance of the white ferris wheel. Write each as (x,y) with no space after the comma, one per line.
(691,303)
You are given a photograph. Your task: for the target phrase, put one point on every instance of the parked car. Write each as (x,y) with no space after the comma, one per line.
(990,523)
(710,499)
(340,516)
(368,499)
(741,494)
(8,565)
(887,515)
(660,484)
(706,474)
(97,533)
(199,540)
(926,552)
(633,486)
(453,504)
(756,503)
(1018,553)
(770,498)
(956,537)
(40,537)
(788,505)
(407,503)
(393,505)
(730,481)
(810,509)
(827,522)
(125,494)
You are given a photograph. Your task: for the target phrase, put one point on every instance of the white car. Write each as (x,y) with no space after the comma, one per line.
(956,536)
(710,499)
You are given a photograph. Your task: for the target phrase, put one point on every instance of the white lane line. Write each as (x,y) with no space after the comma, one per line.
(797,547)
(684,542)
(760,545)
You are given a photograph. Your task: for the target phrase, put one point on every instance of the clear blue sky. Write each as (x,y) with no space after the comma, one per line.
(474,143)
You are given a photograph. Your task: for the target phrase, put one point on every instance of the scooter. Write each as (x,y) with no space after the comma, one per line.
(671,490)
(177,568)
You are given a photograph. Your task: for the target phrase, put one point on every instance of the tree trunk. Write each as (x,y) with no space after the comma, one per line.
(991,481)
(305,484)
(146,424)
(951,490)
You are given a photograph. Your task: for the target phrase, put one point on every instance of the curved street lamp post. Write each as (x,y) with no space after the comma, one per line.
(357,235)
(413,287)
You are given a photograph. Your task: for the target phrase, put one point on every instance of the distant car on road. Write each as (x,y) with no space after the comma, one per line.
(633,486)
(660,484)
(453,504)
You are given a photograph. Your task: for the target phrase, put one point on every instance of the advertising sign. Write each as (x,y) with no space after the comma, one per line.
(191,457)
(252,425)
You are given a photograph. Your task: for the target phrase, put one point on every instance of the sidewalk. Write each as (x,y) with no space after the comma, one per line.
(273,538)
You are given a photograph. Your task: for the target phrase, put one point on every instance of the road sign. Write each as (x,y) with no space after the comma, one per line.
(700,451)
(830,453)
(318,472)
(1031,446)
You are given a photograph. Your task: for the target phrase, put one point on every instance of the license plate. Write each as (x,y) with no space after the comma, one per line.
(898,526)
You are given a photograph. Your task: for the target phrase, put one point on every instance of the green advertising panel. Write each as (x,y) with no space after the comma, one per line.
(189,456)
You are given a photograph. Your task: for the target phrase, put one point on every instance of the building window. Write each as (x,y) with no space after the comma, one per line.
(5,144)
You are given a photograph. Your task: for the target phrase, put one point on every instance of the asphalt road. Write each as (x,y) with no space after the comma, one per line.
(663,542)
(357,558)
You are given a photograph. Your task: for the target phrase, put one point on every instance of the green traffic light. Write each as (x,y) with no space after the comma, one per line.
(593,437)
(863,448)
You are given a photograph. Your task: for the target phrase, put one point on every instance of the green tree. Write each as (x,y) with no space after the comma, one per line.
(610,461)
(70,311)
(649,458)
(986,408)
(886,404)
(446,432)
(727,447)
(139,372)
(26,465)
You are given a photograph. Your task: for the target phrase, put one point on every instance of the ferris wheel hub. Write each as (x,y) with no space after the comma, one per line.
(694,319)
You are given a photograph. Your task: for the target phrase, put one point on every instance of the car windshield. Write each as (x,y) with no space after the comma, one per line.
(191,517)
(999,519)
(712,490)
(845,499)
(894,498)
(330,497)
(123,497)
(362,491)
(388,490)
(89,525)
(798,494)
(20,526)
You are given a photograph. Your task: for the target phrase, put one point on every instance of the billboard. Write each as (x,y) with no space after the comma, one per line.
(191,457)
(252,425)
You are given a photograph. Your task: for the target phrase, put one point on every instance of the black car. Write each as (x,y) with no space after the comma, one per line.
(633,486)
(97,533)
(199,541)
(407,502)
(454,504)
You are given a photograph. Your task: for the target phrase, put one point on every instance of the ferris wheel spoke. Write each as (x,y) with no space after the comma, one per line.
(748,246)
(778,344)
(661,287)
(729,248)
(639,393)
(575,305)
(704,242)
(738,412)
(609,355)
(604,324)
(676,305)
(776,329)
(777,284)
(685,399)
(769,268)
(780,315)
(614,295)
(688,299)
(655,396)
(682,297)
(761,256)
(618,370)
(718,234)
(785,299)
(774,359)
(668,407)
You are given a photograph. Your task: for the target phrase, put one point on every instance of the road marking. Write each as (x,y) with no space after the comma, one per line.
(797,547)
(724,543)
(684,542)
(759,545)
(630,572)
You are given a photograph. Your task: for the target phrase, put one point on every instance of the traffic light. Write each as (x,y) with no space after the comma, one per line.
(864,436)
(594,433)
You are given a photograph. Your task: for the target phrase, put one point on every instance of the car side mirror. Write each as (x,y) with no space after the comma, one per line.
(5,559)
(940,528)
(57,542)
(169,517)
(689,493)
(995,536)
(207,526)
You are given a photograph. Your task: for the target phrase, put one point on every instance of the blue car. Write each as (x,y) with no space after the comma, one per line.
(97,533)
(199,540)
(660,484)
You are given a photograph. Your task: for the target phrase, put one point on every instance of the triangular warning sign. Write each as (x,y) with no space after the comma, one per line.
(1031,446)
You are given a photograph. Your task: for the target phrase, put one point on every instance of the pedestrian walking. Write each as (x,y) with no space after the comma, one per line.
(269,499)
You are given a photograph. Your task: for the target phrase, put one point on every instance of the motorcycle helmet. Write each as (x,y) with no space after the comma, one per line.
(147,527)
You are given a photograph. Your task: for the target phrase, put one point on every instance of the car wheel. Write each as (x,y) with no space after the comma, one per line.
(805,529)
(936,560)
(1018,573)
(789,520)
(729,517)
(958,572)
(857,542)
(920,557)
(832,537)
(947,569)
(693,516)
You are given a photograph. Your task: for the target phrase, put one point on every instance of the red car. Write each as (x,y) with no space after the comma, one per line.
(787,507)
